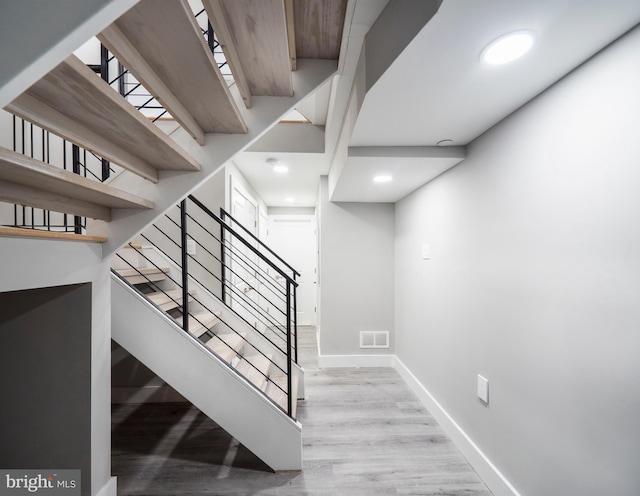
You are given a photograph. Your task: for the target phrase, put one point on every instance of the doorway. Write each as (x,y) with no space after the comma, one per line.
(293,237)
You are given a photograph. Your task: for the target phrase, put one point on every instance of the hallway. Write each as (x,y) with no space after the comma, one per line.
(364,433)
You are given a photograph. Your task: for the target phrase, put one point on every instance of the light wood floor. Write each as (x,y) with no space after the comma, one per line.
(364,433)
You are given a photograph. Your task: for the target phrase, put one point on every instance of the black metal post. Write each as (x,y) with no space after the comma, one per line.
(210,37)
(185,273)
(104,74)
(121,82)
(75,157)
(295,320)
(289,391)
(104,63)
(223,263)
(106,169)
(15,207)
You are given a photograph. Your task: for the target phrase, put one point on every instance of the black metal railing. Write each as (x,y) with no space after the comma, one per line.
(133,90)
(225,262)
(38,143)
(287,274)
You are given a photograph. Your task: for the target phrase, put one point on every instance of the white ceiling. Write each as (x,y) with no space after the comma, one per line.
(438,89)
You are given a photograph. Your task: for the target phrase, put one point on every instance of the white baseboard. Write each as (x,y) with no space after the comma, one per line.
(492,477)
(110,488)
(355,361)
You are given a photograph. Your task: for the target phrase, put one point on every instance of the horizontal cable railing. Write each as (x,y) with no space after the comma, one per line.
(284,271)
(213,255)
(155,287)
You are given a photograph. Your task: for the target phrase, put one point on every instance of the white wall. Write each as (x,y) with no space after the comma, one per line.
(46,33)
(356,273)
(533,282)
(27,264)
(233,176)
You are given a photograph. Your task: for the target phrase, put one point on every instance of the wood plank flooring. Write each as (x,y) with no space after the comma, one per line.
(364,433)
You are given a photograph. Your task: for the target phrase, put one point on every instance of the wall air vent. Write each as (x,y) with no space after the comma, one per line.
(374,339)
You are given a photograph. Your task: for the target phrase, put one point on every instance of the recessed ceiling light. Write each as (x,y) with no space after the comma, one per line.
(507,48)
(382,179)
(276,165)
(290,199)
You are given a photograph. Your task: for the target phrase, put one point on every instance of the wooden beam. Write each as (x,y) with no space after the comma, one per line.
(291,33)
(319,26)
(218,20)
(33,233)
(259,31)
(126,53)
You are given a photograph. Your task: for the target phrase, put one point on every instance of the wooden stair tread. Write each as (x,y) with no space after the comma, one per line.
(318,28)
(142,270)
(276,391)
(20,232)
(168,300)
(142,275)
(27,181)
(75,103)
(201,322)
(227,346)
(255,368)
(264,49)
(160,42)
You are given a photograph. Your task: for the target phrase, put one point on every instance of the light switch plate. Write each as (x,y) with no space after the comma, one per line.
(426,251)
(483,389)
(191,247)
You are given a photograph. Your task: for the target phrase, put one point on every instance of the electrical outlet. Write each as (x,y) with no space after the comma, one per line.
(483,389)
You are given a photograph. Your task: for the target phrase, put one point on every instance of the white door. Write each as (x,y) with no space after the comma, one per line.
(293,237)
(243,261)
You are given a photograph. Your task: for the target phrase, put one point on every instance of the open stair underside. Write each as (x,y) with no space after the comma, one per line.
(206,381)
(257,379)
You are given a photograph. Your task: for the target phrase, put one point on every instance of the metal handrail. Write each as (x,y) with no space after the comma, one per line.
(290,282)
(234,233)
(224,282)
(224,213)
(192,228)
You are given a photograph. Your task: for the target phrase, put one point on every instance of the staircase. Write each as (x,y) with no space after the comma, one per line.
(236,349)
(165,298)
(163,46)
(234,372)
